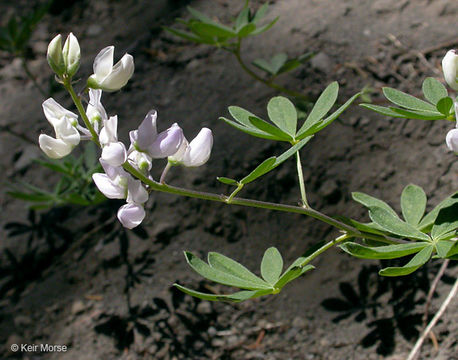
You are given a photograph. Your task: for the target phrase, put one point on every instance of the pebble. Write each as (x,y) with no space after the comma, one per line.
(78,307)
(204,308)
(322,62)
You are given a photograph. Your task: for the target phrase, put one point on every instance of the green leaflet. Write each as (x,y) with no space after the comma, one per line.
(433,90)
(221,277)
(271,265)
(413,204)
(235,297)
(407,101)
(446,221)
(395,225)
(370,201)
(382,252)
(418,260)
(282,113)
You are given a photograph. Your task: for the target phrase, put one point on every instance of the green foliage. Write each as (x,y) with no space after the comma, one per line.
(437,107)
(426,234)
(15,36)
(203,30)
(226,271)
(74,187)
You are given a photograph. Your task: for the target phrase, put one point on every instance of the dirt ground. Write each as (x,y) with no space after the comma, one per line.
(110,297)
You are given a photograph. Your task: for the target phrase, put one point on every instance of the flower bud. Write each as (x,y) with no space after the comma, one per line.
(131,215)
(72,55)
(55,56)
(452,140)
(199,149)
(108,77)
(450,69)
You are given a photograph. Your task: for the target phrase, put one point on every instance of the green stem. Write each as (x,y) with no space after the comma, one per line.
(154,185)
(270,84)
(79,105)
(325,247)
(29,74)
(235,192)
(300,175)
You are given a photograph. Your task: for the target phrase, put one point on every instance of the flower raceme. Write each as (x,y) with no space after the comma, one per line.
(108,77)
(146,142)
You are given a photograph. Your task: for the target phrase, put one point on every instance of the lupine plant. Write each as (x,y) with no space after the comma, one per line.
(414,234)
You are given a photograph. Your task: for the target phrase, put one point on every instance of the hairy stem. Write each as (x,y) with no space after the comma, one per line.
(300,175)
(270,83)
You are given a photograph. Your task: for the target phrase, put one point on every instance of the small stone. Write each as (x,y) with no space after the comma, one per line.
(322,62)
(78,307)
(204,308)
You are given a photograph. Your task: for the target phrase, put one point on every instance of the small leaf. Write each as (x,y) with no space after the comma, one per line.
(262,11)
(260,170)
(292,273)
(433,90)
(383,110)
(278,61)
(444,105)
(229,266)
(381,252)
(453,252)
(320,125)
(264,65)
(241,115)
(446,221)
(213,31)
(246,30)
(324,103)
(219,276)
(395,225)
(264,28)
(282,113)
(235,297)
(443,247)
(413,204)
(242,19)
(251,131)
(270,129)
(407,101)
(418,114)
(227,181)
(370,201)
(271,265)
(418,260)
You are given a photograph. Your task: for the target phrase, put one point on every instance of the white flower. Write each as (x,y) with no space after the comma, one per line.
(95,110)
(131,215)
(450,69)
(195,153)
(116,183)
(64,123)
(142,161)
(113,151)
(452,140)
(108,77)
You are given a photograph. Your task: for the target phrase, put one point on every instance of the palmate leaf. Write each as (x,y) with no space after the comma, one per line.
(226,271)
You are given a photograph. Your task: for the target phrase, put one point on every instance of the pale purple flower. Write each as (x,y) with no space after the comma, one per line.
(131,215)
(113,151)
